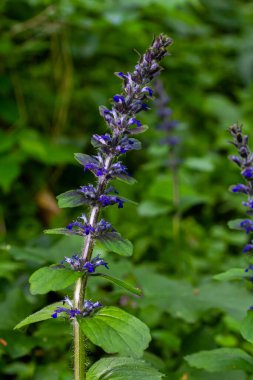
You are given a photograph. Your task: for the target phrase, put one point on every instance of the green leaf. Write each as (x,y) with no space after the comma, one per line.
(120,283)
(122,369)
(247,327)
(235,224)
(64,231)
(137,130)
(204,165)
(84,159)
(231,274)
(116,331)
(221,359)
(153,208)
(51,278)
(71,198)
(40,315)
(115,243)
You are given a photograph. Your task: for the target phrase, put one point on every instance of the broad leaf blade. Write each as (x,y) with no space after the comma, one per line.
(61,231)
(116,331)
(231,274)
(120,283)
(115,243)
(247,327)
(40,315)
(84,159)
(120,368)
(71,198)
(235,224)
(221,359)
(49,279)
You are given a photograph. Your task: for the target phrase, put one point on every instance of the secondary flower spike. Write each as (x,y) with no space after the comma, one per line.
(245,161)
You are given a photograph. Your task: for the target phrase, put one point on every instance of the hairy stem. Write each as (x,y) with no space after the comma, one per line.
(80,288)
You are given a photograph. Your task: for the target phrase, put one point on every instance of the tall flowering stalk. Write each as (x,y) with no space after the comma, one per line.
(245,162)
(168,125)
(100,324)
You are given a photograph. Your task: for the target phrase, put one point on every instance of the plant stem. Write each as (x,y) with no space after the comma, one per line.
(80,287)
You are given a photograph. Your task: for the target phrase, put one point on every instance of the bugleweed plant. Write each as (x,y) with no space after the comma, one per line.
(111,328)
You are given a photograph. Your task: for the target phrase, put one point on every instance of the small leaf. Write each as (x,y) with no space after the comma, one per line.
(137,130)
(84,159)
(40,315)
(50,278)
(71,198)
(116,331)
(126,178)
(60,231)
(120,368)
(120,283)
(231,274)
(221,359)
(153,208)
(115,243)
(247,327)
(235,224)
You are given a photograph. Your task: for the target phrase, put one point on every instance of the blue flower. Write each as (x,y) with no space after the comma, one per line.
(91,266)
(70,312)
(240,188)
(119,99)
(89,307)
(107,200)
(248,248)
(132,121)
(247,224)
(148,90)
(248,173)
(82,228)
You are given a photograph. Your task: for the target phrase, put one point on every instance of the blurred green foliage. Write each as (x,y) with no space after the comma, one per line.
(57,60)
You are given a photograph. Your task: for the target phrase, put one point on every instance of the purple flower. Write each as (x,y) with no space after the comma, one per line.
(70,312)
(147,90)
(107,200)
(248,173)
(119,98)
(132,121)
(103,227)
(91,266)
(81,228)
(247,225)
(89,307)
(236,160)
(240,188)
(248,248)
(95,168)
(89,191)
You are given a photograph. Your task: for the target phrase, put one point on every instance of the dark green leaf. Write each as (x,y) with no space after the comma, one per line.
(247,327)
(221,359)
(231,274)
(235,224)
(41,315)
(61,231)
(47,279)
(120,283)
(71,198)
(122,369)
(84,159)
(116,331)
(115,243)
